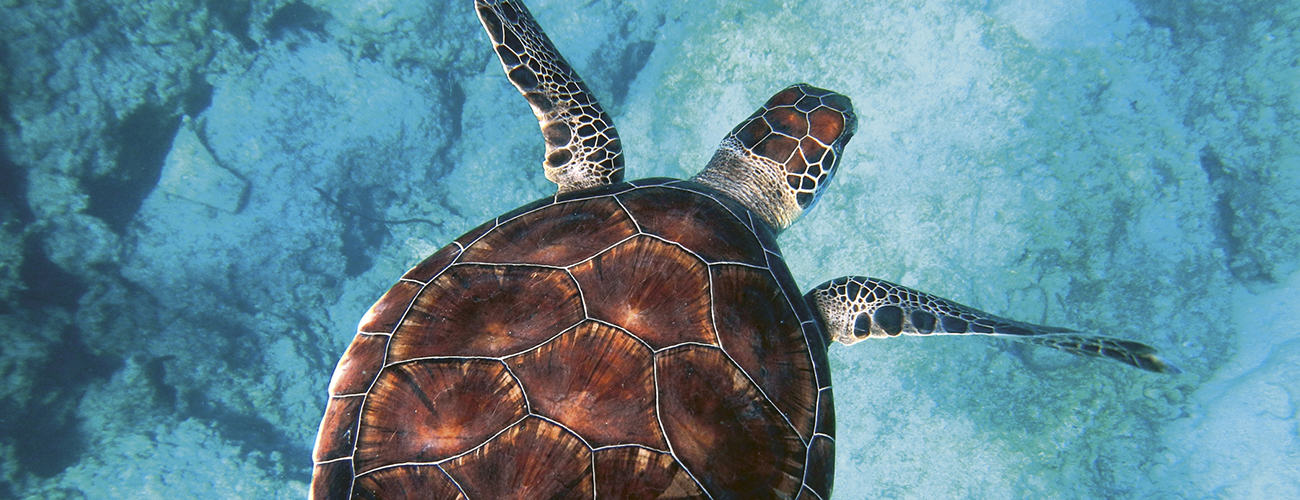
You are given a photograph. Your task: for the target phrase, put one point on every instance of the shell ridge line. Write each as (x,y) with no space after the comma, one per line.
(582,297)
(463,248)
(712,197)
(480,445)
(507,264)
(741,264)
(767,398)
(601,252)
(566,429)
(444,358)
(528,405)
(455,483)
(374,334)
(625,331)
(683,248)
(637,225)
(541,344)
(713,312)
(396,465)
(332,460)
(594,488)
(688,343)
(630,445)
(667,438)
(647,182)
(575,196)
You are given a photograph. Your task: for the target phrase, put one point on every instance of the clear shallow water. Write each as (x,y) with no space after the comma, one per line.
(175,292)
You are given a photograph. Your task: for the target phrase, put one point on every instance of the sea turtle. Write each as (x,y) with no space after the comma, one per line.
(617,339)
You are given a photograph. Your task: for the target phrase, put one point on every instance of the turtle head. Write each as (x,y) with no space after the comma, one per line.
(779,160)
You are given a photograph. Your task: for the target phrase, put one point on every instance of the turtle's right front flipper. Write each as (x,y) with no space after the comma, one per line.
(582,147)
(855,308)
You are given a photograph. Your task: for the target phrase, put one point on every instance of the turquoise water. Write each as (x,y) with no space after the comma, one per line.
(200,199)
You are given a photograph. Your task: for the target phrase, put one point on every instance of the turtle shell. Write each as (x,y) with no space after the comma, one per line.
(639,340)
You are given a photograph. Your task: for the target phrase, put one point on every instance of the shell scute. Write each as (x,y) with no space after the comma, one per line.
(332,479)
(711,410)
(596,380)
(408,481)
(479,310)
(556,235)
(656,291)
(383,316)
(637,473)
(338,430)
(765,337)
(821,457)
(359,365)
(532,459)
(428,411)
(691,219)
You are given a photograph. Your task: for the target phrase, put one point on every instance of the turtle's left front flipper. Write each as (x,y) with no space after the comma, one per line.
(582,146)
(854,308)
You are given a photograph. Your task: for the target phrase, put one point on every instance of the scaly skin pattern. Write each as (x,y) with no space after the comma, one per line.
(582,146)
(854,308)
(779,160)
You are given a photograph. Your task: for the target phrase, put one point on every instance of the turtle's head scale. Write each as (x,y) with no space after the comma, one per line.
(779,160)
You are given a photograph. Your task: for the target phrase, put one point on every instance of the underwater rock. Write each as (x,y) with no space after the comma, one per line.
(191,173)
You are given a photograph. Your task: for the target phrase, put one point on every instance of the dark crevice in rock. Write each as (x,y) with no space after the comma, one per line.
(45,284)
(155,373)
(230,339)
(14,218)
(363,232)
(233,16)
(197,97)
(13,192)
(90,15)
(297,17)
(256,437)
(13,179)
(621,67)
(365,229)
(618,61)
(46,435)
(142,139)
(1224,181)
(455,110)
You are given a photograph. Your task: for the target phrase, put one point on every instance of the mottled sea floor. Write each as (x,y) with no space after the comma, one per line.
(199,199)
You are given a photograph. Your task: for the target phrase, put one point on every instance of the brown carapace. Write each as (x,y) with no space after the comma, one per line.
(625,340)
(640,340)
